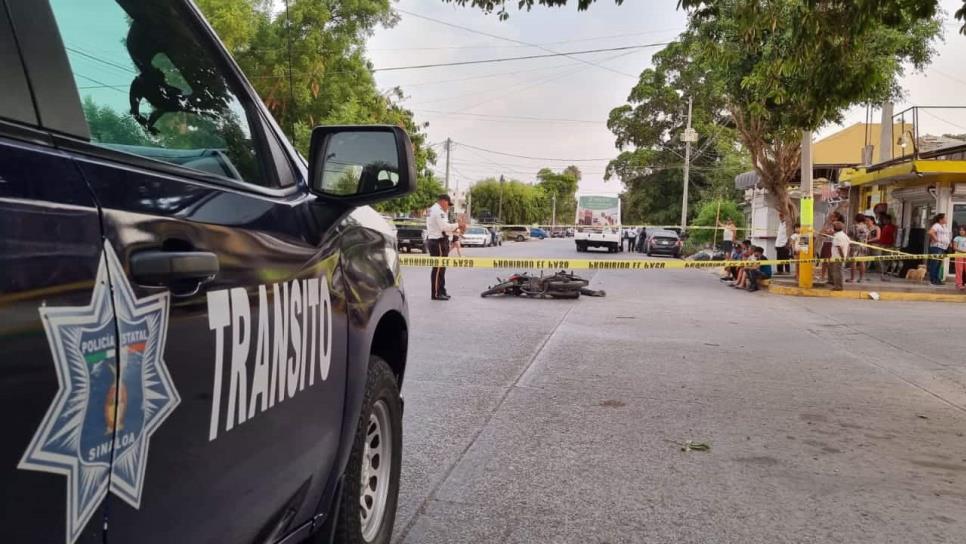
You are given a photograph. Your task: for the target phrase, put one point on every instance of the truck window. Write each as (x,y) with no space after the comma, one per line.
(150,88)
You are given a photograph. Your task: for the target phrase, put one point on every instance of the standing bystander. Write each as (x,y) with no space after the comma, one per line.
(859,247)
(938,244)
(782,247)
(840,250)
(959,246)
(728,235)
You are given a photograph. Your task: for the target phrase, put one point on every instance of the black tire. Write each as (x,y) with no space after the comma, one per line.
(381,387)
(565,294)
(520,238)
(500,289)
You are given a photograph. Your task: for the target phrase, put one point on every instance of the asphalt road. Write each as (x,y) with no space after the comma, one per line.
(561,421)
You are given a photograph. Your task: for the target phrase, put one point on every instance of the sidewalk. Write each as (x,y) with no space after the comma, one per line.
(893,289)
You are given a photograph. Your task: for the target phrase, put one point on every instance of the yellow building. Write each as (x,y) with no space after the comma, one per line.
(926,177)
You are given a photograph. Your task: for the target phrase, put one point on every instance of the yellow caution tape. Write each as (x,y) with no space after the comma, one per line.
(418,223)
(547,263)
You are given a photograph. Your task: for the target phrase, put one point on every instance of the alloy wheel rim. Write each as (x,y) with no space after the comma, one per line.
(376,468)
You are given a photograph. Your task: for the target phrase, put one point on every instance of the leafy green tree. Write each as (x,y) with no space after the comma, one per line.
(563,185)
(109,126)
(648,130)
(709,212)
(777,81)
(522,204)
(428,189)
(786,66)
(847,14)
(308,64)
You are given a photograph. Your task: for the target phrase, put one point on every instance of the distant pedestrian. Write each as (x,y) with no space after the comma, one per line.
(859,247)
(875,235)
(959,246)
(438,233)
(793,241)
(825,250)
(727,235)
(641,240)
(887,240)
(840,250)
(782,247)
(939,238)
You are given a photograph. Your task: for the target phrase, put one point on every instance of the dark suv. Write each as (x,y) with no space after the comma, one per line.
(202,337)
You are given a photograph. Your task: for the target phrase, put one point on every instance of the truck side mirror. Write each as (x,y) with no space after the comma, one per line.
(360,165)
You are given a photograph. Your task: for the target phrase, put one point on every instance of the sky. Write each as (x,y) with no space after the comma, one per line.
(556,108)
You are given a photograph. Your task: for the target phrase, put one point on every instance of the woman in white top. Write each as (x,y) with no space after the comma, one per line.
(938,244)
(728,236)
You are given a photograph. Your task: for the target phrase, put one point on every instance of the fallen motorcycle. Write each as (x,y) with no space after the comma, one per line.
(560,285)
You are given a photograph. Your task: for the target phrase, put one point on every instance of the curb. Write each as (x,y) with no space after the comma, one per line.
(864,295)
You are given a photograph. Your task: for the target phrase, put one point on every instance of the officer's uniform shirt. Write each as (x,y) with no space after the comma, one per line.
(437,225)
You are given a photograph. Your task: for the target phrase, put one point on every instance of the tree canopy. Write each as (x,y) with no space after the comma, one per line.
(850,14)
(308,65)
(648,132)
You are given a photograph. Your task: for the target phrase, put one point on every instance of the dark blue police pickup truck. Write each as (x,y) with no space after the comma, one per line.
(202,337)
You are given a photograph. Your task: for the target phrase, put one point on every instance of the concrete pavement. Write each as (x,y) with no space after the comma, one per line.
(561,421)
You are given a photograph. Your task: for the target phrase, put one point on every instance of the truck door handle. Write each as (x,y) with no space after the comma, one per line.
(167,267)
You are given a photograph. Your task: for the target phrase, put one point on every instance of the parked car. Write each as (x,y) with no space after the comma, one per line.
(410,237)
(558,233)
(539,233)
(519,234)
(666,242)
(204,336)
(476,236)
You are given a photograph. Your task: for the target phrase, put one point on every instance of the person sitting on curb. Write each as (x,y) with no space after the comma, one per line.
(737,254)
(757,272)
(742,274)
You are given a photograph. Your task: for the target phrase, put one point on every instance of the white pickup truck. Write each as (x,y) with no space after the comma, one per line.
(598,221)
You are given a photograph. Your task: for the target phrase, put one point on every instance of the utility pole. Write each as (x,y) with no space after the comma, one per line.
(553,215)
(499,214)
(449,144)
(689,136)
(807,220)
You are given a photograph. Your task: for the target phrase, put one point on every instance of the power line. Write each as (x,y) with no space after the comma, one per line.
(529,157)
(515,117)
(519,45)
(495,36)
(526,57)
(538,83)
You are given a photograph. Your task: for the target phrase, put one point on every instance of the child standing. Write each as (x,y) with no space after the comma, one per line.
(959,246)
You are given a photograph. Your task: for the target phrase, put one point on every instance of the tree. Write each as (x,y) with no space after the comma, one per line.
(710,211)
(563,185)
(428,189)
(780,79)
(308,64)
(648,130)
(787,66)
(522,204)
(849,14)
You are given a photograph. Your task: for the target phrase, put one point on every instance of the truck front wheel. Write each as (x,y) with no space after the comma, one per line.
(371,489)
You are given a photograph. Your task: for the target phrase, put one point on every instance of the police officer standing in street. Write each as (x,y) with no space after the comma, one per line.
(438,232)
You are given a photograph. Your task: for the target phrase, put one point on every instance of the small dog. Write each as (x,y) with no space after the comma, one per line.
(917,274)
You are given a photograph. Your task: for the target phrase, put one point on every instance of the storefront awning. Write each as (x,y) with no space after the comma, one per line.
(747,180)
(936,170)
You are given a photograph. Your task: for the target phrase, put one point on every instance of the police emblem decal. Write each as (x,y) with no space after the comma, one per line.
(114,392)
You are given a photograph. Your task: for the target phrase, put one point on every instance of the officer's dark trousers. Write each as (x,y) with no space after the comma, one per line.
(438,248)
